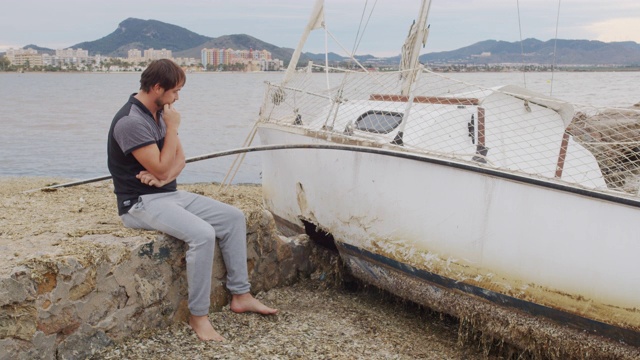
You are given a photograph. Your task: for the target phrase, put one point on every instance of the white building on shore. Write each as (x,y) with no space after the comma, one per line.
(22,57)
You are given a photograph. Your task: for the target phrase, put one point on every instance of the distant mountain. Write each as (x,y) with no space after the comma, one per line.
(568,52)
(320,58)
(144,34)
(41,50)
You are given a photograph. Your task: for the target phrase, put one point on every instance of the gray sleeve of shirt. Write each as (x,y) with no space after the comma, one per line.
(132,133)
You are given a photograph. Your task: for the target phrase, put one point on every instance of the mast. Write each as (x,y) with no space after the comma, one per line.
(411,49)
(409,68)
(316,21)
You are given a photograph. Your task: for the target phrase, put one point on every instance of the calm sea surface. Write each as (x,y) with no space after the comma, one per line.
(56,125)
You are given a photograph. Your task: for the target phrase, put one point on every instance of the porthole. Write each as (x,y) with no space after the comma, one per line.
(378,122)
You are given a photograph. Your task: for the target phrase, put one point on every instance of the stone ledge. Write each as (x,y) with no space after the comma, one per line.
(67,305)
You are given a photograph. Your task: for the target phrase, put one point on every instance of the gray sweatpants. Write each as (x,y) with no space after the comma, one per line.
(198,221)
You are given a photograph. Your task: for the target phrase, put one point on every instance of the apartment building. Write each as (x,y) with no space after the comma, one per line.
(67,56)
(134,54)
(21,57)
(254,60)
(152,54)
(72,53)
(214,57)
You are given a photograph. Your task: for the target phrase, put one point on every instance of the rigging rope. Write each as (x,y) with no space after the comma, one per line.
(555,46)
(554,49)
(524,76)
(360,27)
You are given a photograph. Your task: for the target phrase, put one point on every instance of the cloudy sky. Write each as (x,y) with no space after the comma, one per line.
(454,24)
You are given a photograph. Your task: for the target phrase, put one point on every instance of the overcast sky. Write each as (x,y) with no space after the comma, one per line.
(454,23)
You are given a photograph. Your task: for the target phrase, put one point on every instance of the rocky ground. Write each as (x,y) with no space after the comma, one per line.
(319,319)
(315,322)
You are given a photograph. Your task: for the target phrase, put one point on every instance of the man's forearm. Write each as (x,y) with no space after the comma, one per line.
(170,151)
(175,171)
(177,165)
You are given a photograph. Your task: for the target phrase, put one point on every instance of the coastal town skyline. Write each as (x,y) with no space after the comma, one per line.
(80,59)
(280,22)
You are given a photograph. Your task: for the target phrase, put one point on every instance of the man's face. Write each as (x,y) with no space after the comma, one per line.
(167,96)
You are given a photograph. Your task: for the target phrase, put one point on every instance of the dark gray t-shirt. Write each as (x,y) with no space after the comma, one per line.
(136,130)
(133,127)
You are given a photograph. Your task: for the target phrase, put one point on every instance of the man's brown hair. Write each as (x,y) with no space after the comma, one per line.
(164,72)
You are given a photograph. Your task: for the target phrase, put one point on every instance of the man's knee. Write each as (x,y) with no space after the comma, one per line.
(237,215)
(237,219)
(204,236)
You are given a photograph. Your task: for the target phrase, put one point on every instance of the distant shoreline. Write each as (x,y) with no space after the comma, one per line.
(136,72)
(510,70)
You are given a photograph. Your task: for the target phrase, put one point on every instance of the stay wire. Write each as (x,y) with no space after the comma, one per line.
(361,28)
(524,76)
(555,46)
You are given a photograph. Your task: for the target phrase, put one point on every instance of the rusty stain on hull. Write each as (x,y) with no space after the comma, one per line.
(461,271)
(536,334)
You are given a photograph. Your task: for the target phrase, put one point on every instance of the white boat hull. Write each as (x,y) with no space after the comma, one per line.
(514,240)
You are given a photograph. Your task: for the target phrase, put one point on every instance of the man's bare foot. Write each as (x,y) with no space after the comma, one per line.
(247,303)
(203,328)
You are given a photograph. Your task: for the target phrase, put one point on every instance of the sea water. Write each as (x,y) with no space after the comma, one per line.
(56,124)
